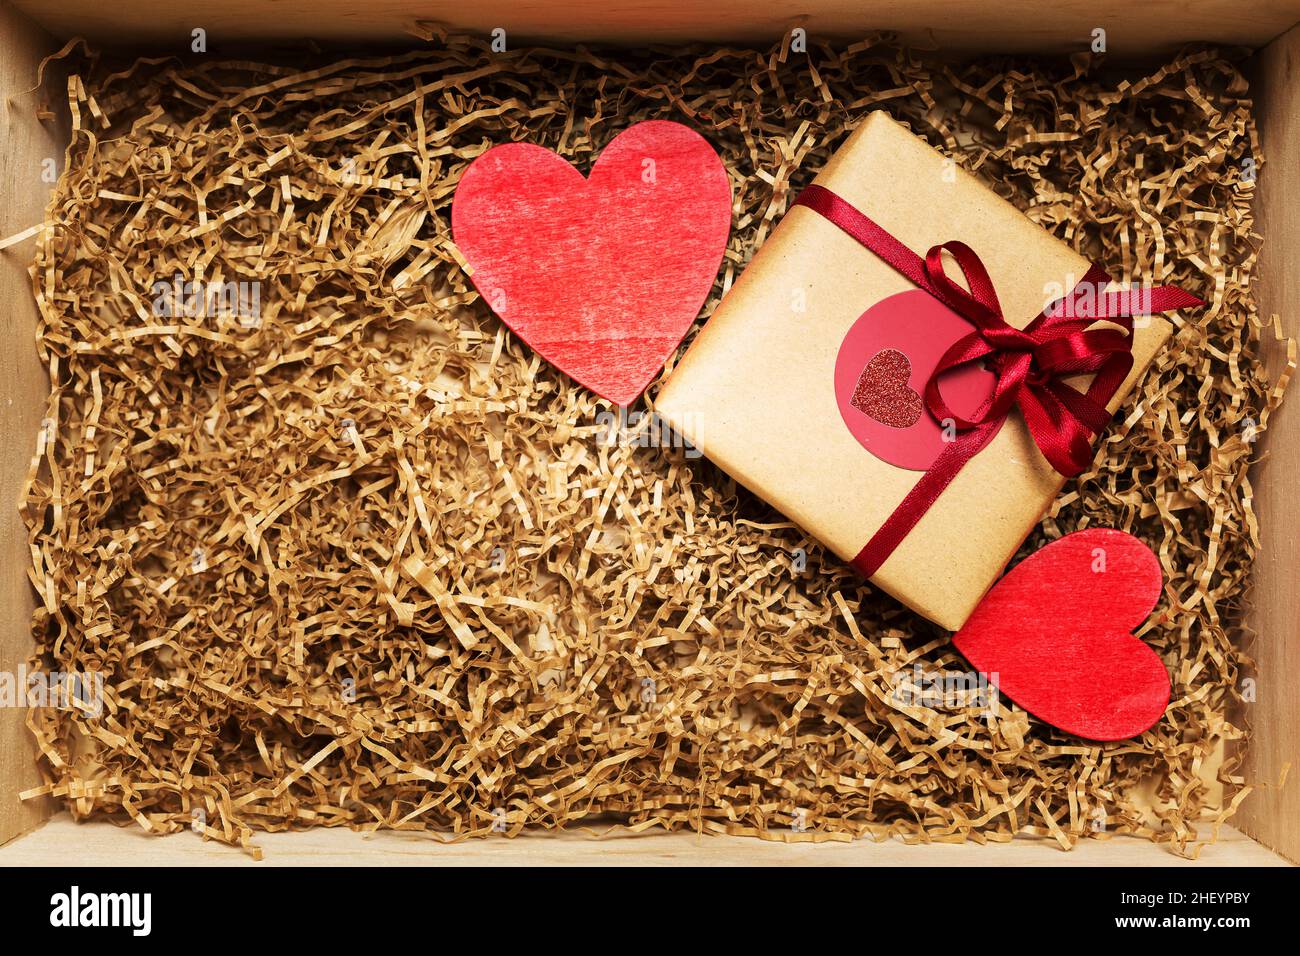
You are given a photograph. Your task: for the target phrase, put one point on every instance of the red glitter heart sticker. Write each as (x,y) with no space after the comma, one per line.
(882,390)
(881,369)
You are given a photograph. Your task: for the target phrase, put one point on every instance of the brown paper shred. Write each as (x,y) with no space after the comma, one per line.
(360,559)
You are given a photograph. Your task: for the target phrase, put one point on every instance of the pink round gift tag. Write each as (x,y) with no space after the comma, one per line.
(881,370)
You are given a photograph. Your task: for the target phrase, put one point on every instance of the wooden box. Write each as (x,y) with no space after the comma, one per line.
(1267,829)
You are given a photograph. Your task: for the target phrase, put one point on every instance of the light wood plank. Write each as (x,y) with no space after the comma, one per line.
(1272,814)
(1133,29)
(61,841)
(25,144)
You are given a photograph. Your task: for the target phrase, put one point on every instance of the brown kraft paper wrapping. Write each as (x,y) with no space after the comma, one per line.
(755,392)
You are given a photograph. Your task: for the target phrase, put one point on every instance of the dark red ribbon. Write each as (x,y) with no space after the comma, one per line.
(1029,364)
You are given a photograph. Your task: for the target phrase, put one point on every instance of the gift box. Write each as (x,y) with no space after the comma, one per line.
(777,388)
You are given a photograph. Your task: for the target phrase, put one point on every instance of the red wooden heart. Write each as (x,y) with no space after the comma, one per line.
(883,393)
(1055,635)
(601,275)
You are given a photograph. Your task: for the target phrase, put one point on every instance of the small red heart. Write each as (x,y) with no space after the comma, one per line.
(883,393)
(601,275)
(1055,635)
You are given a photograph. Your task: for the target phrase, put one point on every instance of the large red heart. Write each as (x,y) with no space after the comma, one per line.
(601,275)
(1054,635)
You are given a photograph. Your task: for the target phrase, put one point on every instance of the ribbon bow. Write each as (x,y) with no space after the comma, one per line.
(1030,365)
